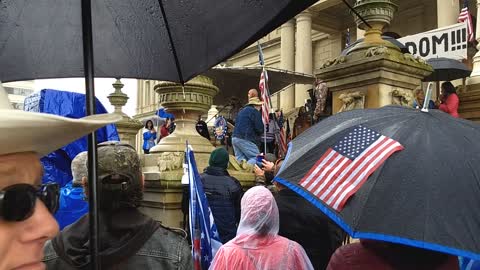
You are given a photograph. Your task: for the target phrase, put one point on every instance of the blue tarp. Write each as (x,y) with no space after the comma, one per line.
(72,205)
(163,114)
(72,105)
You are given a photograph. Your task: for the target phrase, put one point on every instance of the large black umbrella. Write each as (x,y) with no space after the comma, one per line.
(235,81)
(425,195)
(152,39)
(446,69)
(147,39)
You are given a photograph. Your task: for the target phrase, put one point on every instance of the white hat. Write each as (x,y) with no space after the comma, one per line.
(42,133)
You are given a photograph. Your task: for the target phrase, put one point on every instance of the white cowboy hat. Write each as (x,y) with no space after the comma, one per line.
(42,133)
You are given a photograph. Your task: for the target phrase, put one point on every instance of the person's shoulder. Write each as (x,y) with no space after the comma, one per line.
(166,238)
(173,232)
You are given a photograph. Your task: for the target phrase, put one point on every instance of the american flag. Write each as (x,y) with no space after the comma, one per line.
(342,170)
(283,143)
(204,233)
(263,86)
(465,16)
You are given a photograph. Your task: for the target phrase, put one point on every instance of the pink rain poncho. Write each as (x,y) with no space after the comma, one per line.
(257,244)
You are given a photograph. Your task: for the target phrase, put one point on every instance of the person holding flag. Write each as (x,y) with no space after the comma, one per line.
(248,128)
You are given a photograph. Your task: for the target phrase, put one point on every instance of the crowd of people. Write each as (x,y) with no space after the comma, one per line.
(267,227)
(150,137)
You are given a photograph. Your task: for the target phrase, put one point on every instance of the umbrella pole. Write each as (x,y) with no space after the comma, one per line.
(438,91)
(92,150)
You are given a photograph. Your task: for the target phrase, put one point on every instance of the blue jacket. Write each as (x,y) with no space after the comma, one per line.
(149,139)
(72,205)
(224,194)
(248,125)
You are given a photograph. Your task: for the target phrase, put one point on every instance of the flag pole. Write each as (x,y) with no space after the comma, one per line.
(264,126)
(262,63)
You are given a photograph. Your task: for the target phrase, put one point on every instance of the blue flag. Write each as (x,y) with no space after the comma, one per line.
(204,233)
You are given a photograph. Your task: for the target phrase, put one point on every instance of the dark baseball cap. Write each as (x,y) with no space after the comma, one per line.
(118,166)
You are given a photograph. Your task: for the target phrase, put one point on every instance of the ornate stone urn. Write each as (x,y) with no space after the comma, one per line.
(378,14)
(163,167)
(186,104)
(127,128)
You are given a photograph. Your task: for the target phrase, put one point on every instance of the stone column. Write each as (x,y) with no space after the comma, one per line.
(303,54)
(287,61)
(127,128)
(447,12)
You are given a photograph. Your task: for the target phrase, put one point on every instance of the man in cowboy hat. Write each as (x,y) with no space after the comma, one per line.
(26,206)
(248,128)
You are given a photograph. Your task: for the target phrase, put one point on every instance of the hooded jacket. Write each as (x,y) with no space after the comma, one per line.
(257,244)
(128,240)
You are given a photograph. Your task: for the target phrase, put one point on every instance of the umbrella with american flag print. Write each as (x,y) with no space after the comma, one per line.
(393,174)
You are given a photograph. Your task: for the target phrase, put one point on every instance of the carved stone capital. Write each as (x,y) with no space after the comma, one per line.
(352,101)
(402,97)
(169,161)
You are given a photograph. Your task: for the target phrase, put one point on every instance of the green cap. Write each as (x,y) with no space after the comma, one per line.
(219,158)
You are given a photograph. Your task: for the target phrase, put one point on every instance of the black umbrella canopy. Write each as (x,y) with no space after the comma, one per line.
(43,38)
(446,69)
(236,81)
(423,196)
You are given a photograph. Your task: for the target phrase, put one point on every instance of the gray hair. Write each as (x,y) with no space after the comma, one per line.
(417,90)
(79,168)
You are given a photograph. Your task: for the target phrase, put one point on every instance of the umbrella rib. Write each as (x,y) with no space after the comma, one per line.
(170,39)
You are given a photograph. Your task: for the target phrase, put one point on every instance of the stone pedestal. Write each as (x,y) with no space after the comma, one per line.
(374,73)
(163,167)
(470,105)
(127,128)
